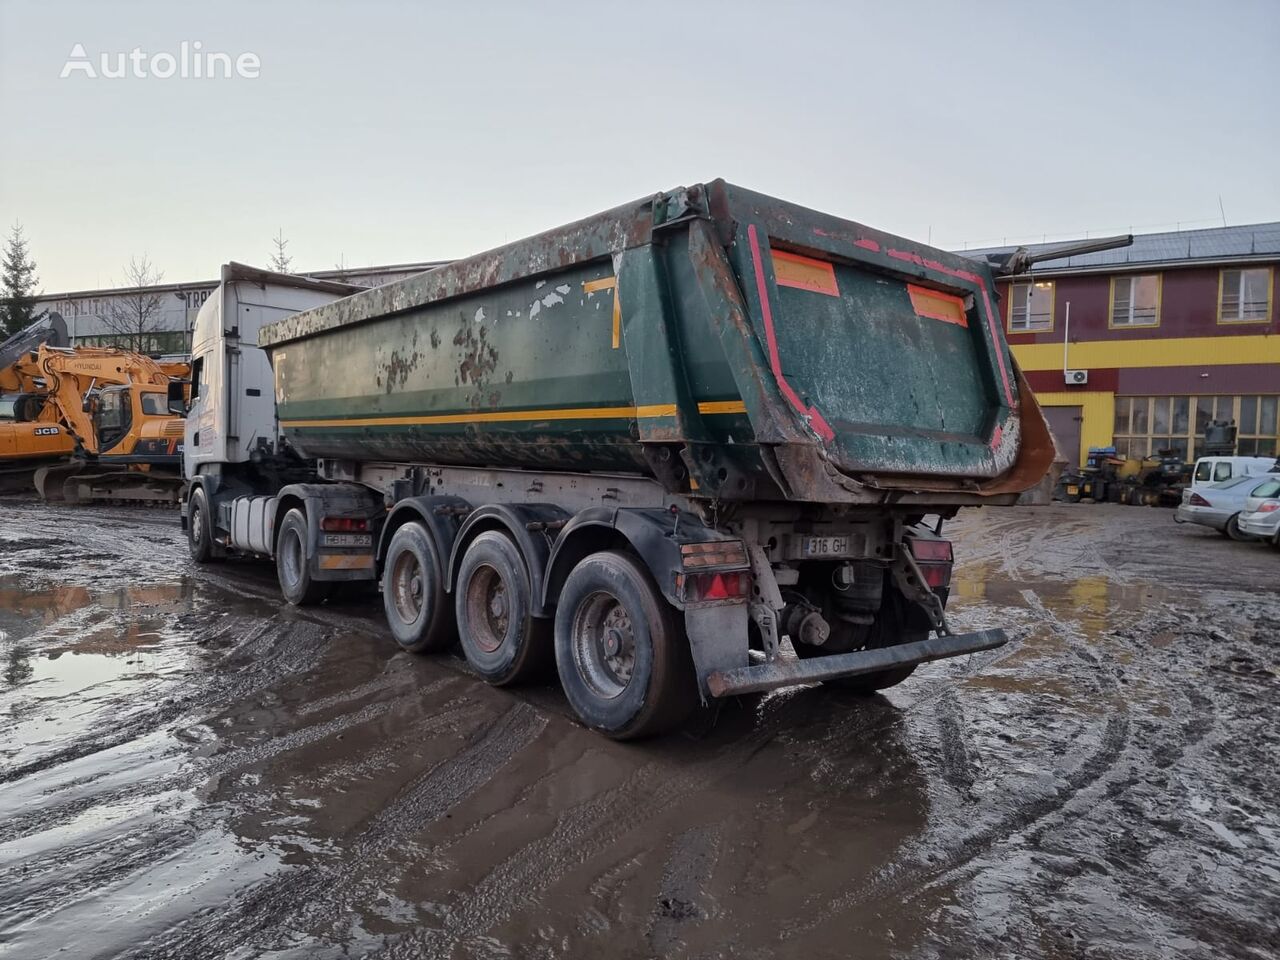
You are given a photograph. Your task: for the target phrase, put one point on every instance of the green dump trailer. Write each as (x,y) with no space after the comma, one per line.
(682,449)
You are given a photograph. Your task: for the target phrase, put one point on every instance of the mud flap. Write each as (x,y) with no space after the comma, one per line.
(718,640)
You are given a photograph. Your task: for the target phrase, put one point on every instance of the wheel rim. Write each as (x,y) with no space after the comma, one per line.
(408,586)
(604,644)
(291,555)
(488,606)
(197,523)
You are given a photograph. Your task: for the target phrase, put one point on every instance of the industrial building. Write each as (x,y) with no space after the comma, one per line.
(1139,347)
(172,307)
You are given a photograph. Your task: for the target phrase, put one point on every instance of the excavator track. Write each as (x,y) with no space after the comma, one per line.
(69,483)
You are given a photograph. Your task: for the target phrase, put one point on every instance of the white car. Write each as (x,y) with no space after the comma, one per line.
(1219,505)
(1261,514)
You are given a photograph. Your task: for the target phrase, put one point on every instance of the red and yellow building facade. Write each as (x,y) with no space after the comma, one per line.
(1140,347)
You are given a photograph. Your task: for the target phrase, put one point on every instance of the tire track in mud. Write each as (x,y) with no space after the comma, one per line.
(273,649)
(912,877)
(316,890)
(581,832)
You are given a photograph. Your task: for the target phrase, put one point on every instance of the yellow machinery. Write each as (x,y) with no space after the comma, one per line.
(91,422)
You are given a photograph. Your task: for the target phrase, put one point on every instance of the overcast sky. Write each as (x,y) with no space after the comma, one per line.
(384,132)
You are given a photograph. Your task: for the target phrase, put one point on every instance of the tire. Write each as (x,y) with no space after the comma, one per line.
(626,694)
(414,601)
(291,563)
(894,624)
(1232,529)
(500,638)
(199,533)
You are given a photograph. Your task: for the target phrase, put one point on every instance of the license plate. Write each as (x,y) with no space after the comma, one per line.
(1072,489)
(346,540)
(825,546)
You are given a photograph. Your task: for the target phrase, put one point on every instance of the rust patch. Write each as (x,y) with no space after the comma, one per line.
(478,362)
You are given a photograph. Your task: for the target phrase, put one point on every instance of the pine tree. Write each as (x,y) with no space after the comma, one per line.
(17,285)
(281,261)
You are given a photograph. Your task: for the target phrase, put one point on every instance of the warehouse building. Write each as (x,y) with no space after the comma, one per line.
(171,308)
(1140,347)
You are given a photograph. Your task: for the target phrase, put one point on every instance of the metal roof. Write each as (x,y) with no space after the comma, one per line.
(1250,240)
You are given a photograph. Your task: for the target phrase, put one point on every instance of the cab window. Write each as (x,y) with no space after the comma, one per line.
(155,404)
(1203,469)
(113,417)
(1222,471)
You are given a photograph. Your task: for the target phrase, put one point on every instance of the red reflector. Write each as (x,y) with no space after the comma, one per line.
(930,549)
(936,574)
(343,524)
(1198,501)
(699,587)
(717,589)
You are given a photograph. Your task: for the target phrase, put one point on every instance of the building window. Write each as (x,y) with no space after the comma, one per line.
(1146,426)
(1244,296)
(1135,301)
(1256,427)
(1031,306)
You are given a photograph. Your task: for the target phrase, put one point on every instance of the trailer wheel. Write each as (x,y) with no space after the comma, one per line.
(199,530)
(501,640)
(291,563)
(413,598)
(621,652)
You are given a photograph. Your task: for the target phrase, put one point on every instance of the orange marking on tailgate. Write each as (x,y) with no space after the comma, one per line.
(804,273)
(937,306)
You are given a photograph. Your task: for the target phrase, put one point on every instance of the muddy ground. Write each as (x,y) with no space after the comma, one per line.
(190,769)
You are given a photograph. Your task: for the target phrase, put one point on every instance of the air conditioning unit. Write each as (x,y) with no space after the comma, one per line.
(1075,378)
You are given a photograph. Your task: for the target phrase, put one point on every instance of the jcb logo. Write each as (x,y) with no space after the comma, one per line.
(46,431)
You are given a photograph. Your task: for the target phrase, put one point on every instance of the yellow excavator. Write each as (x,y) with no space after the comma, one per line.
(96,423)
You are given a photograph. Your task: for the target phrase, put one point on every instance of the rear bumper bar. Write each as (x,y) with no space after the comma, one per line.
(769,676)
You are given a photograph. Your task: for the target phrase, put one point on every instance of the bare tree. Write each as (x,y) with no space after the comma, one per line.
(281,262)
(138,312)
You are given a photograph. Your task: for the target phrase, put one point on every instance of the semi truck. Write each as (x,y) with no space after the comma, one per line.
(698,445)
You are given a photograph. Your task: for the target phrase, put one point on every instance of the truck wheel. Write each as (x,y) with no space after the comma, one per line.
(413,598)
(621,651)
(291,563)
(501,640)
(199,530)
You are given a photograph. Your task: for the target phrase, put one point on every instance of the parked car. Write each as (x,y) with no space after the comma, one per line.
(1212,470)
(1219,505)
(1261,514)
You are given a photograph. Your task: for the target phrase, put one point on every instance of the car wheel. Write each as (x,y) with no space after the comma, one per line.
(1233,529)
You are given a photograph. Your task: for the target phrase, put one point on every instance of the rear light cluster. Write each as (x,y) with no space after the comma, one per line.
(934,558)
(1198,501)
(344,524)
(714,553)
(704,587)
(1269,506)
